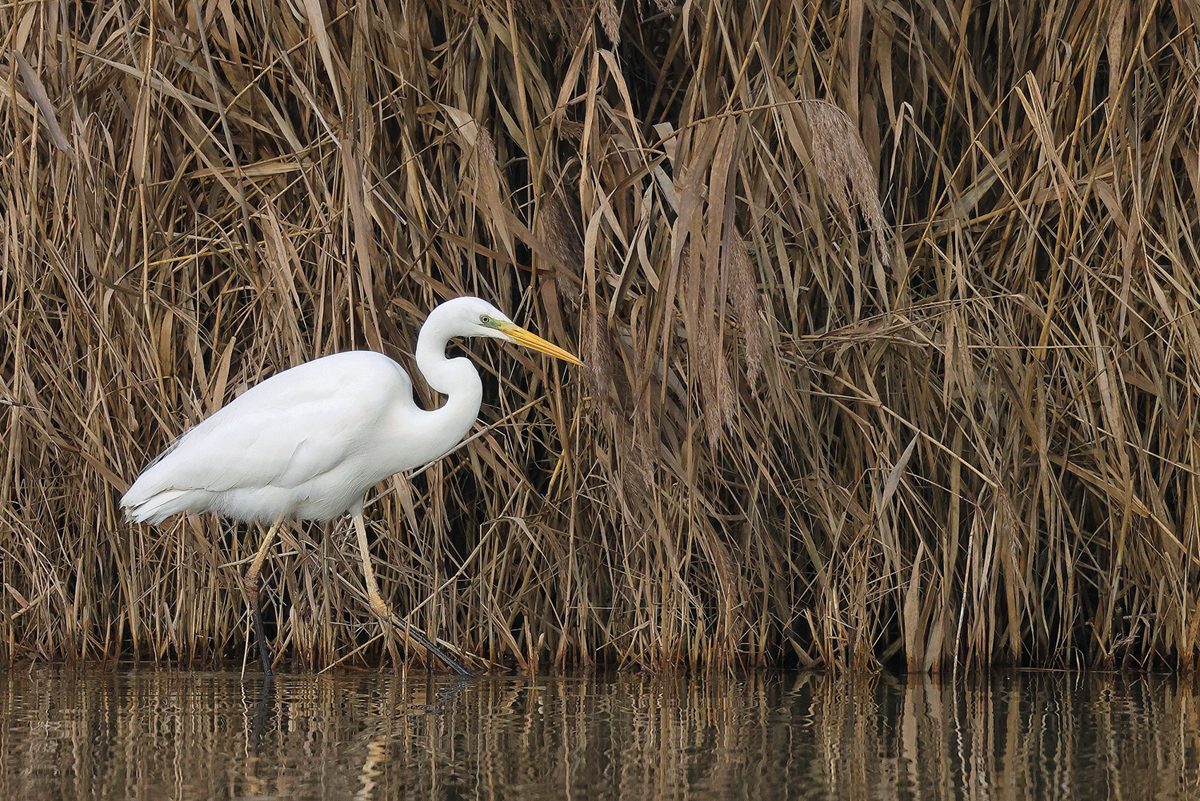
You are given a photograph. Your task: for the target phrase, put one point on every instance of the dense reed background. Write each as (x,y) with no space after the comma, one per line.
(888,312)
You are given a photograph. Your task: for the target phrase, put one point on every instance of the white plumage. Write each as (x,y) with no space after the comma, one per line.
(306,443)
(311,441)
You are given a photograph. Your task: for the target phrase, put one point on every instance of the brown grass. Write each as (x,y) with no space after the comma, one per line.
(889,315)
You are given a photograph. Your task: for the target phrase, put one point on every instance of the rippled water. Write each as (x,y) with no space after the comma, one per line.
(159,734)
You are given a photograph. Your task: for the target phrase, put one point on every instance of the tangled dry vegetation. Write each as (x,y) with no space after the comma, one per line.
(888,311)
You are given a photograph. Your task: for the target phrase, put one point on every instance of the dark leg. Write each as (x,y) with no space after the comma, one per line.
(438,652)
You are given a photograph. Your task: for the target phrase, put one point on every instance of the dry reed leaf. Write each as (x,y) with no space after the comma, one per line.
(34,85)
(317,24)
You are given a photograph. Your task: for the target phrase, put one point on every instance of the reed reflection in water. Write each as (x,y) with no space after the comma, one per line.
(159,734)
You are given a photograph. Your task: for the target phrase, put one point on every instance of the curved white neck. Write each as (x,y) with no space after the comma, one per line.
(457,379)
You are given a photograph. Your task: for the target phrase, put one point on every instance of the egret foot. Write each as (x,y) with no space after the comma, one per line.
(381,610)
(380,607)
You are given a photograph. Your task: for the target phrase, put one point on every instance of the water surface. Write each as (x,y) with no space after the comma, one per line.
(164,734)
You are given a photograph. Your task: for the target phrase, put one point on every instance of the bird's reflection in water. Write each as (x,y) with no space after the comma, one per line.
(377,749)
(266,694)
(444,697)
(255,786)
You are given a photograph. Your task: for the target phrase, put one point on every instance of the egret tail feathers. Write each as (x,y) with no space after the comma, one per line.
(155,508)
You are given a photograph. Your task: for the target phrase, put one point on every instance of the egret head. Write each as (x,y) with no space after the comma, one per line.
(477,318)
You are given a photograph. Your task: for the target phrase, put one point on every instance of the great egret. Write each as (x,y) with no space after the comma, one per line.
(309,442)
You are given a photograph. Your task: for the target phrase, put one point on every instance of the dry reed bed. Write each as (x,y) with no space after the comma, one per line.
(953,428)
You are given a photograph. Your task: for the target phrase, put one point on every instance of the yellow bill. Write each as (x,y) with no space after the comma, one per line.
(531,340)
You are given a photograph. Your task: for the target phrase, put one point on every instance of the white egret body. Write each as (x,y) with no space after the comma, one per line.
(311,441)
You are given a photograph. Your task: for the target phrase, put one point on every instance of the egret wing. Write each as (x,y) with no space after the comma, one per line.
(287,430)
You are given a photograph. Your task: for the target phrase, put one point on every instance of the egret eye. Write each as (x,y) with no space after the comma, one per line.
(485,319)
